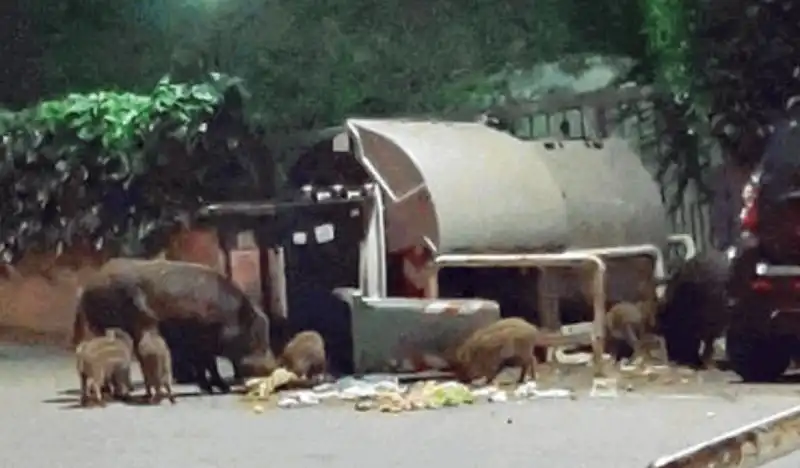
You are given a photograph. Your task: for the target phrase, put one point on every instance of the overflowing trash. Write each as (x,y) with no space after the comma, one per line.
(385,393)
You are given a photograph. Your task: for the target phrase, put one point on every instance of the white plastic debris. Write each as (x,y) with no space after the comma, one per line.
(357,392)
(327,395)
(604,388)
(306,398)
(288,402)
(325,388)
(499,396)
(553,393)
(484,391)
(526,390)
(388,386)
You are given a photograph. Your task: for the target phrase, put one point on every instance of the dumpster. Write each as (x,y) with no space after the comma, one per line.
(289,255)
(409,335)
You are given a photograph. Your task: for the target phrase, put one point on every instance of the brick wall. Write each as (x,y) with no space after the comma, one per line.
(41,308)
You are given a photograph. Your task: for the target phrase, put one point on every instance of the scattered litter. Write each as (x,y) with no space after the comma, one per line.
(325,388)
(307,398)
(299,398)
(350,388)
(288,402)
(531,390)
(554,393)
(484,391)
(327,395)
(384,393)
(604,388)
(357,393)
(364,405)
(526,390)
(261,388)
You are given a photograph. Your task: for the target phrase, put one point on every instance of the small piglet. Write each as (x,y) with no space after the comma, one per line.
(626,323)
(156,362)
(305,356)
(489,349)
(105,361)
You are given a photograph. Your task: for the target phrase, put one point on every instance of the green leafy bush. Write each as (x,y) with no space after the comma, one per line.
(119,169)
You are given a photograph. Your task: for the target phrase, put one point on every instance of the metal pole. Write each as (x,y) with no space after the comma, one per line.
(750,446)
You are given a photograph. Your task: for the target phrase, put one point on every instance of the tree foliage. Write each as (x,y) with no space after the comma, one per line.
(310,64)
(744,58)
(733,66)
(117,169)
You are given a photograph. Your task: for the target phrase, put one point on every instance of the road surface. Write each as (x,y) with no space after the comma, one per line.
(42,429)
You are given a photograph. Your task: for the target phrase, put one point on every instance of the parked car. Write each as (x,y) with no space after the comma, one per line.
(764,284)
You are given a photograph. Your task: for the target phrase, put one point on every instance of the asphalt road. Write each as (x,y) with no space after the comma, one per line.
(40,428)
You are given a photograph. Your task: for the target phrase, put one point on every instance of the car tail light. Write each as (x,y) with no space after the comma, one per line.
(761,285)
(749,215)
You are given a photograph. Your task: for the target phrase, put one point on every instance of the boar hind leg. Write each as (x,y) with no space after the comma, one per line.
(122,385)
(168,391)
(707,357)
(216,379)
(237,372)
(634,342)
(207,375)
(490,379)
(148,392)
(95,391)
(528,368)
(202,380)
(183,370)
(85,397)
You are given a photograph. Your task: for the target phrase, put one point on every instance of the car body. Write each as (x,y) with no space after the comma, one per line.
(764,284)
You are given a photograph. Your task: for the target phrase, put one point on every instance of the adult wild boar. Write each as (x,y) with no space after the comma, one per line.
(136,294)
(695,309)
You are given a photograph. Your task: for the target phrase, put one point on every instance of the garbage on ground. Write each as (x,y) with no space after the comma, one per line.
(262,387)
(484,391)
(604,388)
(300,398)
(531,390)
(385,394)
(498,397)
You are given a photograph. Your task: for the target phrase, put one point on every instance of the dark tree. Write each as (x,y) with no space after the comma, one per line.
(745,62)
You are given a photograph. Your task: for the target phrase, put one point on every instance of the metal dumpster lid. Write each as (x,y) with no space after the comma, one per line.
(463,186)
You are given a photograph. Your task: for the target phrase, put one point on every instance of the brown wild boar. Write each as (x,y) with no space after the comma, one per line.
(305,355)
(135,294)
(625,323)
(105,361)
(156,362)
(484,354)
